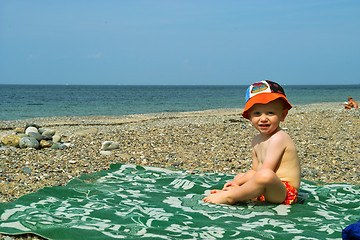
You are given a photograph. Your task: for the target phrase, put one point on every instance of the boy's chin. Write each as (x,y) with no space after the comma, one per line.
(267,131)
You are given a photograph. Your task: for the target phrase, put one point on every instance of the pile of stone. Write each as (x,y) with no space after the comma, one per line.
(33,136)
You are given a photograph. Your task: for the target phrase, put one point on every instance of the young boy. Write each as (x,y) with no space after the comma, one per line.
(275,173)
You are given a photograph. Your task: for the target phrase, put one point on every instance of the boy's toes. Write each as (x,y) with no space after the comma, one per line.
(214,191)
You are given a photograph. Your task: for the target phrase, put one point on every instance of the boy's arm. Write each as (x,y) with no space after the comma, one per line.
(274,153)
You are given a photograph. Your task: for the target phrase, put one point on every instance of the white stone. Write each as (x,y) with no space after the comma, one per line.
(109,145)
(56,138)
(31,129)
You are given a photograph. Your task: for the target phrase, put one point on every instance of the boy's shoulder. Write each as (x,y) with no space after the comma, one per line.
(281,134)
(279,137)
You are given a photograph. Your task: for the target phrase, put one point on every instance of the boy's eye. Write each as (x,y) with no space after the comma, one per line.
(271,113)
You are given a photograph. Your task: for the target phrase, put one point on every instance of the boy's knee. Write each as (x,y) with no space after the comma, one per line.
(265,176)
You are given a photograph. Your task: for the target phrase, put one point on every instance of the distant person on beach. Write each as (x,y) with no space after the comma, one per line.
(351,104)
(275,173)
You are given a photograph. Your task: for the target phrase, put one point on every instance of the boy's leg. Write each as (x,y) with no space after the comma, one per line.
(275,190)
(264,182)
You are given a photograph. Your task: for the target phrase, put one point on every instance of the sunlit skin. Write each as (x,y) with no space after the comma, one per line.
(274,160)
(351,104)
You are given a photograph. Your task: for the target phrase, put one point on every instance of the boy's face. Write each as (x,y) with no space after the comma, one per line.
(267,117)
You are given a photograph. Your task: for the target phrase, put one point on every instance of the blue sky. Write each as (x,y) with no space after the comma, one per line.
(197,42)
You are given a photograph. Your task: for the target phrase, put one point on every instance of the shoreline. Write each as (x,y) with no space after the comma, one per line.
(217,140)
(131,118)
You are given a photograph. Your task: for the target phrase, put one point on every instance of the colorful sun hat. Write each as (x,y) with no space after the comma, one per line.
(263,92)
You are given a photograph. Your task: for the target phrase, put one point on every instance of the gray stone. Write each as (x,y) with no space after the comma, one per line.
(4,148)
(27,170)
(58,146)
(28,142)
(41,130)
(109,145)
(35,135)
(49,132)
(47,137)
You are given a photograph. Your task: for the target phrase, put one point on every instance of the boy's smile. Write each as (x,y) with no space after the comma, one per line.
(264,126)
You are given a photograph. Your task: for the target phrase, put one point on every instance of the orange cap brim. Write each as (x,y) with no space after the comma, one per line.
(263,98)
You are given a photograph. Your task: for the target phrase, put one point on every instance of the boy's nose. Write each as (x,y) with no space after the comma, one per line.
(263,118)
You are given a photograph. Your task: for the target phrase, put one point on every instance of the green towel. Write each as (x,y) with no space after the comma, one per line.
(135,202)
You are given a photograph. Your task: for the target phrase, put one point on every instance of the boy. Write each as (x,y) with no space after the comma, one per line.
(275,173)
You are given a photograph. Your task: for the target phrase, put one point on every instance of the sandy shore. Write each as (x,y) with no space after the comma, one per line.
(326,136)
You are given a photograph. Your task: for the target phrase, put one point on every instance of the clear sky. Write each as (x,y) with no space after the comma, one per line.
(184,42)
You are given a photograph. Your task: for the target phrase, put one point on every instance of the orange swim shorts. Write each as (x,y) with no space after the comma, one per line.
(291,195)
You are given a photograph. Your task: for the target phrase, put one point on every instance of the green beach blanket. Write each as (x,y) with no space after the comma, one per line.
(135,202)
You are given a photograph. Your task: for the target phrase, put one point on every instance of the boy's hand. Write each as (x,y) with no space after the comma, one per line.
(230,184)
(227,187)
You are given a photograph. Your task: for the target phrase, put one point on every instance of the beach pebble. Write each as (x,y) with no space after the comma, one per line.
(32,125)
(109,145)
(56,138)
(28,142)
(31,129)
(48,132)
(35,135)
(45,144)
(58,146)
(19,130)
(177,164)
(5,148)
(8,238)
(26,170)
(41,130)
(47,137)
(11,140)
(107,153)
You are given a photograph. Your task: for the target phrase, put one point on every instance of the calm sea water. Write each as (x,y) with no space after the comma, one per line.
(31,101)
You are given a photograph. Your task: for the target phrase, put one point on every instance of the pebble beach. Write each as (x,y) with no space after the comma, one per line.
(327,138)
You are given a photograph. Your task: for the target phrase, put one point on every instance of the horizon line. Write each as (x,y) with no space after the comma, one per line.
(167,85)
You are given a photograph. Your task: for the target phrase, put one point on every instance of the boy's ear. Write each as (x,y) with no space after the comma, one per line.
(284,114)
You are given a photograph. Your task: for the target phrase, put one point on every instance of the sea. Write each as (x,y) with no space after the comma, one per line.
(20,102)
